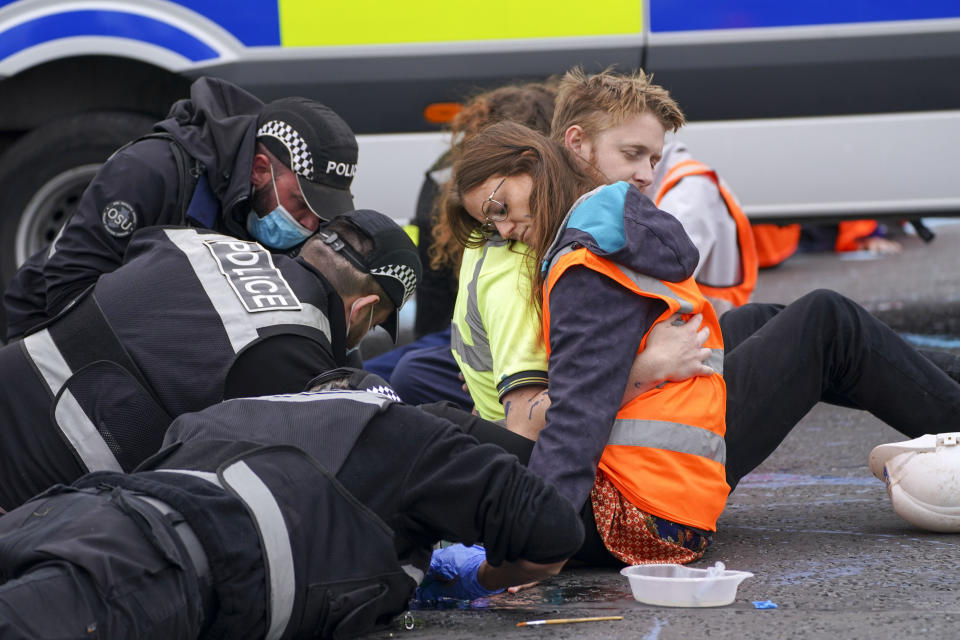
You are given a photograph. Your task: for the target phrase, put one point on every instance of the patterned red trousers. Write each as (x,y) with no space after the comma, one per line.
(636,537)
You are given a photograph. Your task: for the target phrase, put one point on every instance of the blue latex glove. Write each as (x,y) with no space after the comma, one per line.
(453,574)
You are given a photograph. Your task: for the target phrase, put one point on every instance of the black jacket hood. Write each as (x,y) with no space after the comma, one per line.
(217,126)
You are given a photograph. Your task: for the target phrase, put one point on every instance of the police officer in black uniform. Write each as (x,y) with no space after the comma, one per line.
(243,527)
(222,161)
(191,318)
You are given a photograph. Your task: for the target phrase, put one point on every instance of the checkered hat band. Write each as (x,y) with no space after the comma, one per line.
(301,160)
(401,272)
(385,391)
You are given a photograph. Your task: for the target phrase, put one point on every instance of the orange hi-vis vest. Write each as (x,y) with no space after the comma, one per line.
(738,294)
(850,231)
(666,451)
(775,243)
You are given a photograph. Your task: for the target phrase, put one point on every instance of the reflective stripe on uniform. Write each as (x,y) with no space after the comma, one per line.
(70,417)
(478,355)
(365,397)
(413,572)
(715,361)
(209,476)
(240,325)
(671,436)
(275,539)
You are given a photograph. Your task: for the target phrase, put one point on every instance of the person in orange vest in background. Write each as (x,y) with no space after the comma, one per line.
(713,218)
(775,243)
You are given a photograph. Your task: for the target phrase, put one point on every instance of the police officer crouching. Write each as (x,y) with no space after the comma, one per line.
(191,318)
(291,516)
(221,160)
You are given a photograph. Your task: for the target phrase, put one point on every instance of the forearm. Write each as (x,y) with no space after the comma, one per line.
(510,574)
(526,410)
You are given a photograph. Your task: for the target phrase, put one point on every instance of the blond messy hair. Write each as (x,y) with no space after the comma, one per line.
(604,100)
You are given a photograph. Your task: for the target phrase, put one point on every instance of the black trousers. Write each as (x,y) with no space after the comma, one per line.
(825,347)
(83,564)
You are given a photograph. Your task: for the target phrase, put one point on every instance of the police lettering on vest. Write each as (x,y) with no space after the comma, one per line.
(249,269)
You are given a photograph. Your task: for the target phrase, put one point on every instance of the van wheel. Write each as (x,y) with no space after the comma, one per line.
(44,173)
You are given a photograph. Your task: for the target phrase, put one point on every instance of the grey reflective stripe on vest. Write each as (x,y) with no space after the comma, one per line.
(715,361)
(559,254)
(241,326)
(209,476)
(655,286)
(477,356)
(76,427)
(670,436)
(644,283)
(275,539)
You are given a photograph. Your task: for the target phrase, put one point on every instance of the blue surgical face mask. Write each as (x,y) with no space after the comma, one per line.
(278,229)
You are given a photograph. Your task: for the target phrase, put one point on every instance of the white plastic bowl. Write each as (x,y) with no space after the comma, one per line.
(674,585)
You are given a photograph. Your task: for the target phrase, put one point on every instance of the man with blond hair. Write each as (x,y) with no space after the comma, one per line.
(616,123)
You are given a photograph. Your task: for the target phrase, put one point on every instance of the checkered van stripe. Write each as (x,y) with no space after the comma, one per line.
(402,273)
(301,160)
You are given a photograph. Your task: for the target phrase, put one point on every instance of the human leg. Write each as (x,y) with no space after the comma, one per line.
(384,364)
(778,373)
(430,375)
(740,323)
(82,566)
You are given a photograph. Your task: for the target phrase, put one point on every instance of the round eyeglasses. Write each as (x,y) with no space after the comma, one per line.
(494,210)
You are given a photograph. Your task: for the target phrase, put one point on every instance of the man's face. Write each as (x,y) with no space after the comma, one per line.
(283,187)
(628,151)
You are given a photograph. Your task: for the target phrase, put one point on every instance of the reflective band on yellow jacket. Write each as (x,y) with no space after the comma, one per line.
(738,294)
(666,451)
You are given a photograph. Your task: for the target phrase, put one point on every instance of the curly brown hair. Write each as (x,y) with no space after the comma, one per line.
(529,104)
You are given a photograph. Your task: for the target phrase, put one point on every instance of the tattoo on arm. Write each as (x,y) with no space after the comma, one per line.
(539,400)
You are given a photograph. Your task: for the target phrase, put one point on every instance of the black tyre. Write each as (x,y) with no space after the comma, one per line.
(43,174)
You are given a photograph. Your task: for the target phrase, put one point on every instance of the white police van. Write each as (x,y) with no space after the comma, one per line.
(808,109)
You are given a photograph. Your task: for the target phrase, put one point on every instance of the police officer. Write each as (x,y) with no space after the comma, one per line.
(229,535)
(190,318)
(221,160)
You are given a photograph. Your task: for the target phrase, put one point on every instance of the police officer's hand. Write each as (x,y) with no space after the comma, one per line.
(453,574)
